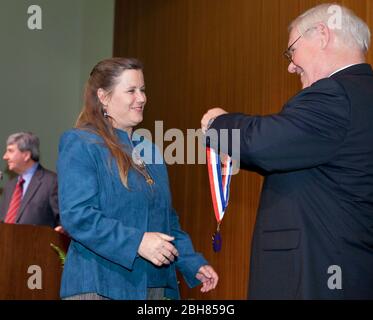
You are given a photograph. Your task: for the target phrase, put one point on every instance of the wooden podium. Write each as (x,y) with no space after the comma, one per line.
(29,267)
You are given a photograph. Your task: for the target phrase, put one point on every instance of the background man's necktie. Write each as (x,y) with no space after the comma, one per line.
(15,202)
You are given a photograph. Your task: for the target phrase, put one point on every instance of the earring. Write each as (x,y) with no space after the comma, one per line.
(106,115)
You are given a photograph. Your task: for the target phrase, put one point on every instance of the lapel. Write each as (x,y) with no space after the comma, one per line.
(34,185)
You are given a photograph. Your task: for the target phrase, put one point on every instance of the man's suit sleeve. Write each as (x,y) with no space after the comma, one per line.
(4,200)
(2,206)
(307,132)
(53,201)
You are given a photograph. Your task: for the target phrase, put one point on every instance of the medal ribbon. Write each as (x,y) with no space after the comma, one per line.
(219,183)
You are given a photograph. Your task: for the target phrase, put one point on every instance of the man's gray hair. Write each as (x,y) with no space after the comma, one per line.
(350,29)
(26,141)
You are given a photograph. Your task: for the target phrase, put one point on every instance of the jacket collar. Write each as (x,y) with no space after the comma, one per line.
(357,69)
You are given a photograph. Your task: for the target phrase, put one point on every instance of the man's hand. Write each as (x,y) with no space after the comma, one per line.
(210,114)
(209,278)
(157,248)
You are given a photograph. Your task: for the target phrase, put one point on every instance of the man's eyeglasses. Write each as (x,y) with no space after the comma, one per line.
(288,53)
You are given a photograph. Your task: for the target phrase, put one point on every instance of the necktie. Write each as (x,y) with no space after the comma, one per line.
(15,202)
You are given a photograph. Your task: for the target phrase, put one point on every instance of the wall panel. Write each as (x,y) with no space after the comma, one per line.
(204,53)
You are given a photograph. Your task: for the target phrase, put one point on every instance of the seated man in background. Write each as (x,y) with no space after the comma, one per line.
(31,197)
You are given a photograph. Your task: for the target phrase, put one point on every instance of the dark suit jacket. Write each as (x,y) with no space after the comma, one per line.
(40,203)
(314,228)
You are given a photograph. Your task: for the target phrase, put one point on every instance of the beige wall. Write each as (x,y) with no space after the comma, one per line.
(43,71)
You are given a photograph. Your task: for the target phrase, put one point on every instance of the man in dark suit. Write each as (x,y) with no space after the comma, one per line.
(31,197)
(313,237)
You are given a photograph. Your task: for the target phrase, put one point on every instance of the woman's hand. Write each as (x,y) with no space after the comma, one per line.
(209,278)
(157,248)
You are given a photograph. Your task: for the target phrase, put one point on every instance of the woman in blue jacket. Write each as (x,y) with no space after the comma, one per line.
(126,238)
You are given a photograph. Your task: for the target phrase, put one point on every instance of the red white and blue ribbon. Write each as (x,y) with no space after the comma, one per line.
(220,173)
